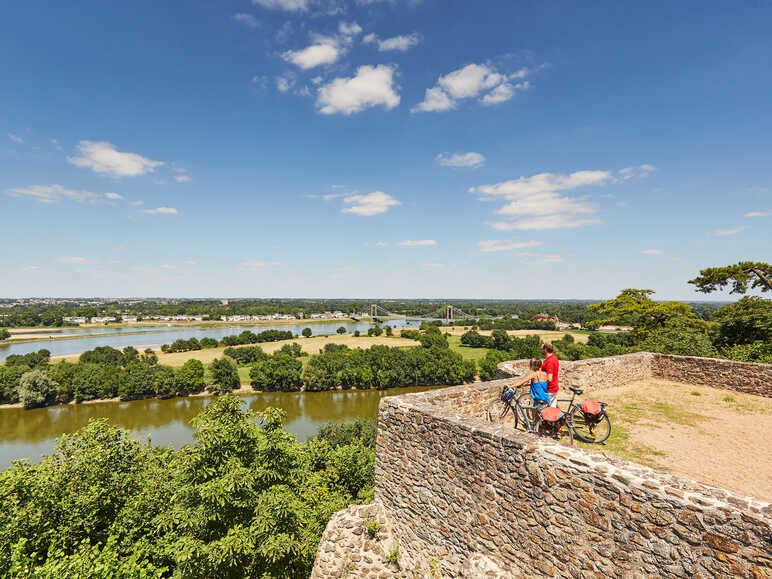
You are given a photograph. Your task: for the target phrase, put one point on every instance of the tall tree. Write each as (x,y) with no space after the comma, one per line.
(740,275)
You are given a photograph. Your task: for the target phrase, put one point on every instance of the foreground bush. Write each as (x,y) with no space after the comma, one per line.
(242,501)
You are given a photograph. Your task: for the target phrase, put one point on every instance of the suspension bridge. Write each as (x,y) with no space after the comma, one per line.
(448,313)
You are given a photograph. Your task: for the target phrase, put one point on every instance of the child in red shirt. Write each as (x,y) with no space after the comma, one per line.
(551,367)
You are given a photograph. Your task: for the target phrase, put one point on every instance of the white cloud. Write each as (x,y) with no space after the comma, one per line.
(286,5)
(381,244)
(516,189)
(759,214)
(653,251)
(733,231)
(102,157)
(30,268)
(493,245)
(372,86)
(471,159)
(314,55)
(471,81)
(246,19)
(371,204)
(137,203)
(161,211)
(182,178)
(15,138)
(417,243)
(114,196)
(349,28)
(53,193)
(285,82)
(253,264)
(541,258)
(401,43)
(639,171)
(542,223)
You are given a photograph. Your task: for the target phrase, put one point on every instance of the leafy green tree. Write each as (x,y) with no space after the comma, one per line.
(164,382)
(678,338)
(757,274)
(225,376)
(5,334)
(375,331)
(190,378)
(279,372)
(295,350)
(10,376)
(487,365)
(102,355)
(341,330)
(356,333)
(389,330)
(634,307)
(306,332)
(35,388)
(746,321)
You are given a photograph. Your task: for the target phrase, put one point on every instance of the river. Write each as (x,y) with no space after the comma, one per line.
(32,433)
(155,336)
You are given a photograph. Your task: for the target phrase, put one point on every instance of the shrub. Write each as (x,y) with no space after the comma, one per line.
(190,378)
(341,330)
(306,332)
(35,388)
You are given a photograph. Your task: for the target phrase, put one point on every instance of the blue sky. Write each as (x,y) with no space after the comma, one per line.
(381,148)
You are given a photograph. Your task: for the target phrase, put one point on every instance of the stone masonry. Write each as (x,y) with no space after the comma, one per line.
(463,496)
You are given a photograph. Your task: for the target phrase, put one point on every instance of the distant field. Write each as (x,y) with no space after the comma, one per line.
(468,353)
(311,345)
(543,334)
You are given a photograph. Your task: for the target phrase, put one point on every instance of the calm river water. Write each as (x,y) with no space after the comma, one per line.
(155,336)
(32,433)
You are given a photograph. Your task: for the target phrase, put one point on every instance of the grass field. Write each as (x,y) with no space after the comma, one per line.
(545,335)
(312,345)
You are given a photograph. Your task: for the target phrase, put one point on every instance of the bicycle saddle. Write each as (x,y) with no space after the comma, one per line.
(576,391)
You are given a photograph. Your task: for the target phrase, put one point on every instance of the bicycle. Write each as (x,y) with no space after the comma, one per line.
(532,415)
(520,412)
(589,420)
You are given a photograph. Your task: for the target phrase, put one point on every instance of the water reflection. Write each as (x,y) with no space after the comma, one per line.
(154,339)
(32,433)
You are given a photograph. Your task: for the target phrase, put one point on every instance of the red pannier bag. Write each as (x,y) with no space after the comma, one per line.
(591,407)
(551,414)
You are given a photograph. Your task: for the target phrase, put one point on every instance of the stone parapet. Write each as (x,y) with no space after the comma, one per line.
(738,376)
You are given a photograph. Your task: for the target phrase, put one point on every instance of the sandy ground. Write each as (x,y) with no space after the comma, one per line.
(711,435)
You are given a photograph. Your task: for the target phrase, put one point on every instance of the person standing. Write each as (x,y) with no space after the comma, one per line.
(551,366)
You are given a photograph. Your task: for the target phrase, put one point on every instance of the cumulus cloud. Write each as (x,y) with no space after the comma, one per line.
(395,43)
(767,213)
(314,55)
(103,157)
(472,160)
(349,29)
(161,211)
(53,193)
(381,244)
(114,196)
(653,251)
(286,5)
(371,204)
(15,138)
(492,245)
(640,171)
(371,86)
(733,231)
(182,178)
(285,82)
(472,81)
(247,20)
(533,203)
(417,243)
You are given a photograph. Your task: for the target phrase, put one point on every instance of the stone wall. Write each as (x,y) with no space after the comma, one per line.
(457,486)
(465,496)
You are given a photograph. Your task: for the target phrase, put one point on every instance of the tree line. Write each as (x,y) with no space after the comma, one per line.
(245,337)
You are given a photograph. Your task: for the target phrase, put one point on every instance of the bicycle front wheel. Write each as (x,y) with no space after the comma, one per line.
(590,431)
(528,415)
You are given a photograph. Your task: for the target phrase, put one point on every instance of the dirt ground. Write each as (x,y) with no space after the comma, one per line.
(713,436)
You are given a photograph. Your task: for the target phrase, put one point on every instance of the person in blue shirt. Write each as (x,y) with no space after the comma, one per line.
(538,380)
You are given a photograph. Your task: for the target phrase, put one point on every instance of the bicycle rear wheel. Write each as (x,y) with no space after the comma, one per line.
(590,431)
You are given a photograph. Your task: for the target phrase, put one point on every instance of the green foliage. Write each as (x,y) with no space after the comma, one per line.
(389,330)
(739,276)
(4,334)
(375,331)
(294,349)
(190,378)
(744,322)
(760,352)
(280,372)
(224,376)
(10,376)
(102,355)
(35,388)
(634,307)
(393,556)
(487,366)
(433,338)
(32,359)
(246,354)
(410,334)
(341,433)
(306,332)
(207,343)
(680,339)
(249,337)
(356,333)
(165,382)
(341,330)
(244,500)
(372,527)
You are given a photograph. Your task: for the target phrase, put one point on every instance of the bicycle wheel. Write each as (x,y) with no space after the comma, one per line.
(528,414)
(592,432)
